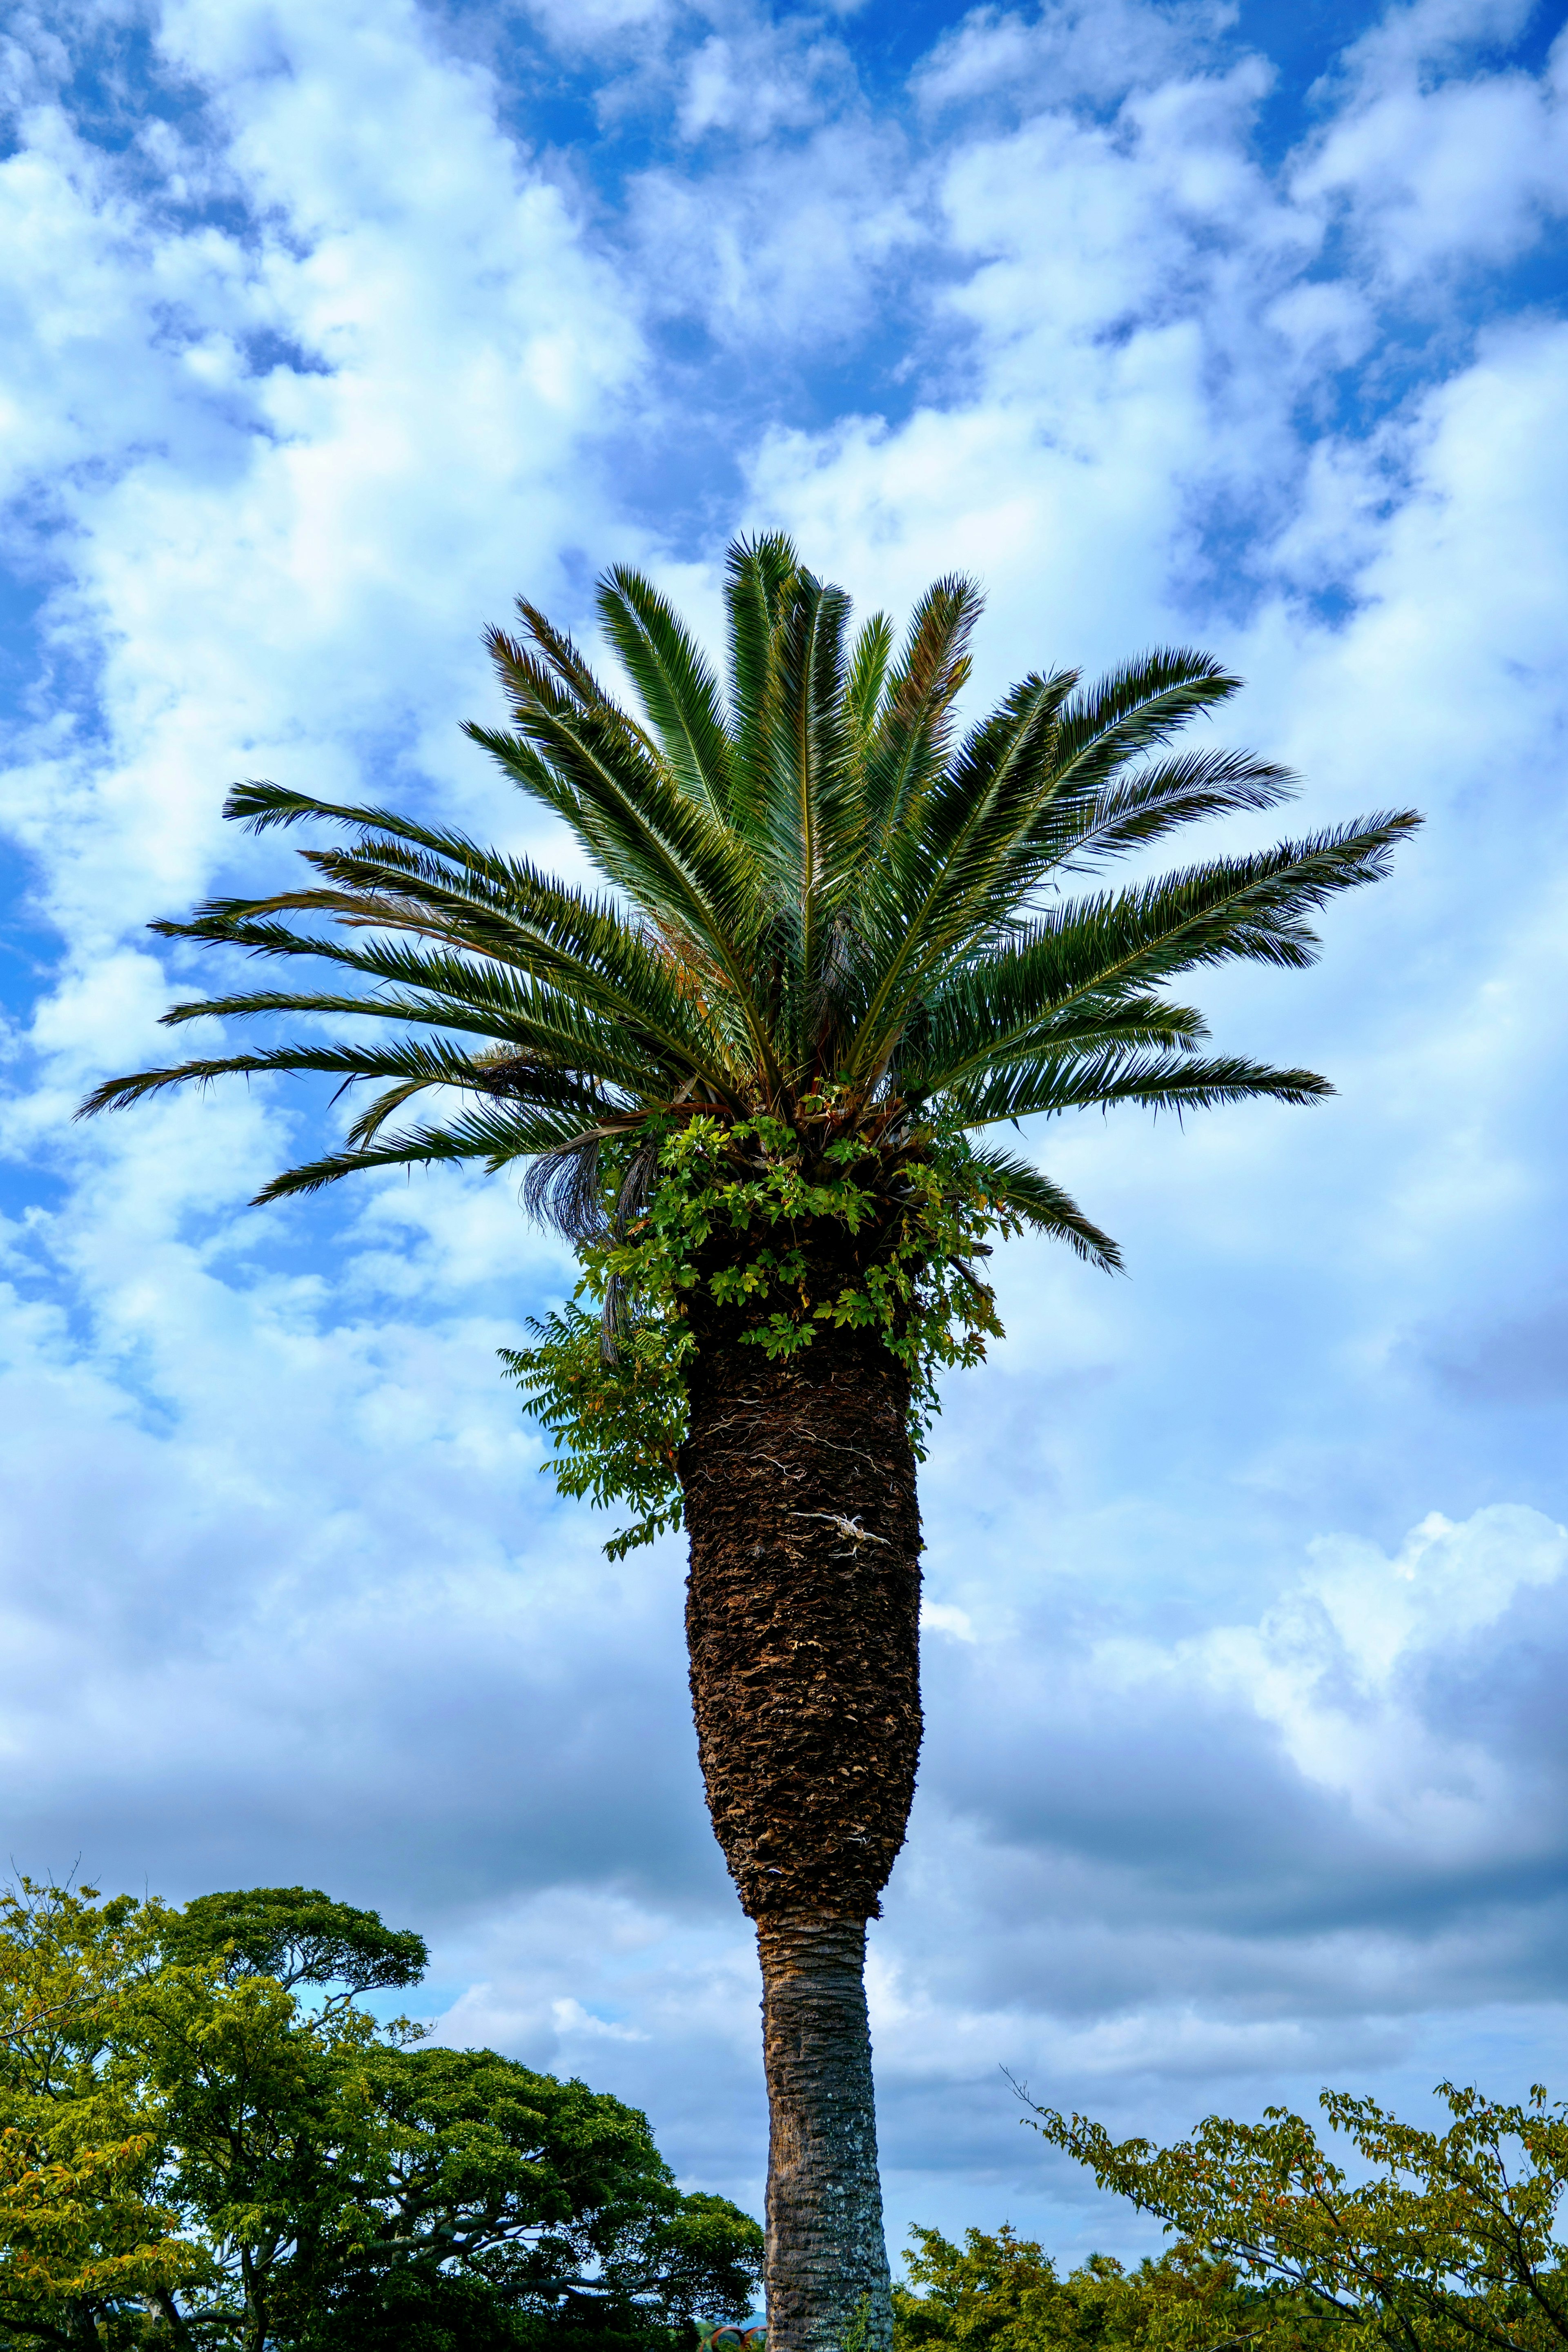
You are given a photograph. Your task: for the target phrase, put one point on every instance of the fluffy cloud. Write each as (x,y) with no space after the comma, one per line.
(1434,178)
(324,334)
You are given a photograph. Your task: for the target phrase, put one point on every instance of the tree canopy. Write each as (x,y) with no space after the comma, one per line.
(1000,2293)
(1428,2241)
(197,2150)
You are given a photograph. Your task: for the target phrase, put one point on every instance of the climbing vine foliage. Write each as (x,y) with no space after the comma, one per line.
(783,1230)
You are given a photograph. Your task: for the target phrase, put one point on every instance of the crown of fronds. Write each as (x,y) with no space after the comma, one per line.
(818,895)
(833,930)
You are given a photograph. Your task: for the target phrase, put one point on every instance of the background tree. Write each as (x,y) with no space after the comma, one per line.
(198,2154)
(299,1936)
(504,2206)
(1000,2293)
(753,1084)
(89,2237)
(1444,2242)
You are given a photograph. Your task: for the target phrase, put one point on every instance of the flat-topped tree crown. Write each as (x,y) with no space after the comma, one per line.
(299,1936)
(838,942)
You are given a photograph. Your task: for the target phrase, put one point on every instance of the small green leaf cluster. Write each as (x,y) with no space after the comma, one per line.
(785,1231)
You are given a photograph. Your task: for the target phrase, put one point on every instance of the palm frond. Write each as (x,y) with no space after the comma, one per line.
(560,1189)
(1051,1082)
(657,845)
(960,1051)
(868,674)
(911,740)
(411,1063)
(678,688)
(585,959)
(642,832)
(1254,909)
(569,667)
(758,575)
(1083,829)
(808,811)
(494,1140)
(1135,707)
(1018,1185)
(926,901)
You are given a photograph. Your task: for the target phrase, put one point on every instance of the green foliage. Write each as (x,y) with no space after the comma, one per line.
(617,1420)
(86,2221)
(836,940)
(561,2212)
(298,1935)
(193,2152)
(857,2337)
(738,1211)
(1000,2294)
(1442,2241)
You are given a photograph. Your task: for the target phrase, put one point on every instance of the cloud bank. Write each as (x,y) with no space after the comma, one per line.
(325,334)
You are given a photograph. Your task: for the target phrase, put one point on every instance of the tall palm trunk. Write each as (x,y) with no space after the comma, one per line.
(803,1614)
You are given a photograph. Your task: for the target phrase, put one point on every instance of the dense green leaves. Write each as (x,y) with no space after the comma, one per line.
(739,1209)
(298,1935)
(999,2293)
(825,923)
(204,2140)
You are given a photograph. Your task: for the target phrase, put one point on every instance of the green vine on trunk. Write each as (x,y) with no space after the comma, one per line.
(857,2337)
(781,1231)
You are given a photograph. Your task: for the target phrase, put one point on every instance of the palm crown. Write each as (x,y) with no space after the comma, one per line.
(824,908)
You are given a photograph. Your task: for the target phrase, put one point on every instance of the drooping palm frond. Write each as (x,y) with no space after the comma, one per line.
(1030,1195)
(808,885)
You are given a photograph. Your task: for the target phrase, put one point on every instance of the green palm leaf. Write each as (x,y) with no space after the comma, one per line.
(806,886)
(679,689)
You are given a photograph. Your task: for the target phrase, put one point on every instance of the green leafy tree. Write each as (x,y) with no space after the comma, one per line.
(505,2201)
(89,2239)
(999,2293)
(1438,2242)
(299,1936)
(756,1079)
(198,2153)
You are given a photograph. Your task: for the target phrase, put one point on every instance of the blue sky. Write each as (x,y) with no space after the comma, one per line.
(327,332)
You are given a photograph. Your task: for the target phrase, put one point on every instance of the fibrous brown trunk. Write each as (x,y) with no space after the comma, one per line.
(802,1617)
(826,2258)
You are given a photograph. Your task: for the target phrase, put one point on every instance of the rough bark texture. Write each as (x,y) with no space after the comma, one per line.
(826,2257)
(802,1617)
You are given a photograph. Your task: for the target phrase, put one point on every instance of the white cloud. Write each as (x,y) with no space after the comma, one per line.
(277,564)
(1413,35)
(301,386)
(943,1617)
(1062,53)
(1433,179)
(787,247)
(1323,1668)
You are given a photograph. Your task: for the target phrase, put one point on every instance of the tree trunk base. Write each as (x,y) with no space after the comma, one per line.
(826,2258)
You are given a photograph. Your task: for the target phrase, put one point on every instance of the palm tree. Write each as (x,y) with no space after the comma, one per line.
(754,1081)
